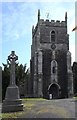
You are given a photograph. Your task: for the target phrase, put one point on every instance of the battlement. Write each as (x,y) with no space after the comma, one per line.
(49,23)
(52,23)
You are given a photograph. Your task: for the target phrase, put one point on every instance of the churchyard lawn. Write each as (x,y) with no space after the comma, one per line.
(42,108)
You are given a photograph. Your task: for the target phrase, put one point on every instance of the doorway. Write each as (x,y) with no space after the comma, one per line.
(53,91)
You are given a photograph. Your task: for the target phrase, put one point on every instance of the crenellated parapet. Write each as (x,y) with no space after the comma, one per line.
(49,23)
(57,23)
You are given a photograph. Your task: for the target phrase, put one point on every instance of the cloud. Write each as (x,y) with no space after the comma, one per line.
(13,23)
(18,19)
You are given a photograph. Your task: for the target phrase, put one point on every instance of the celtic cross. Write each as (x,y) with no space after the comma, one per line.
(12,58)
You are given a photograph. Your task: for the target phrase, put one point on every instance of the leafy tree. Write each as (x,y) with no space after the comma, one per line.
(22,75)
(74,68)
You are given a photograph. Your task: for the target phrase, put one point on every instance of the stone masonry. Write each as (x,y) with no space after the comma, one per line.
(50,63)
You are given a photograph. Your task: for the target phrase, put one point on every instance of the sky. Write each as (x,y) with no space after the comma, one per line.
(17,21)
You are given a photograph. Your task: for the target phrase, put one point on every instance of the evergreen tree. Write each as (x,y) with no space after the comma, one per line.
(22,75)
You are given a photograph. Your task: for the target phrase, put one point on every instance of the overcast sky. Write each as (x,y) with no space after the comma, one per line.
(17,21)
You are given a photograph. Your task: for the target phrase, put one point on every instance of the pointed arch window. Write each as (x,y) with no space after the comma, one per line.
(54,71)
(53,36)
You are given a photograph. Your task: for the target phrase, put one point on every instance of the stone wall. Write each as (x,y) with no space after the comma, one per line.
(43,45)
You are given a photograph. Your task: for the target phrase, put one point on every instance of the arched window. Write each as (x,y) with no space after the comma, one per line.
(53,36)
(54,71)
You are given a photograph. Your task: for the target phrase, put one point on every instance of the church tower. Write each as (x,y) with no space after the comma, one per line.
(50,63)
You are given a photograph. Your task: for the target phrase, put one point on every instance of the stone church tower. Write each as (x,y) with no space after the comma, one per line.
(50,63)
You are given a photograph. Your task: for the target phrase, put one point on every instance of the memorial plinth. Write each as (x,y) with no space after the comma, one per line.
(12,102)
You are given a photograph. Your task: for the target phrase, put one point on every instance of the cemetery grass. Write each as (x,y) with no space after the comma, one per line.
(28,104)
(39,107)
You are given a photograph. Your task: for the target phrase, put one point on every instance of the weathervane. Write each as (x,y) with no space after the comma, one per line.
(47,15)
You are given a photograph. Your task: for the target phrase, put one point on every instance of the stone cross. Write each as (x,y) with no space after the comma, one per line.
(12,58)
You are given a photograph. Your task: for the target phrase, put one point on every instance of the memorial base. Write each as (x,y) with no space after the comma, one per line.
(12,106)
(12,102)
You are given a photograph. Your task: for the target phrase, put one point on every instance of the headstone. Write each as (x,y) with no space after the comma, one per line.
(12,102)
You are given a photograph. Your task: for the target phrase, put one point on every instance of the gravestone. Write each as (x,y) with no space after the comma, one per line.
(12,102)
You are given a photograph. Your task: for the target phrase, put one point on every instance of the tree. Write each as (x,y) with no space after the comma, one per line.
(74,68)
(5,79)
(22,75)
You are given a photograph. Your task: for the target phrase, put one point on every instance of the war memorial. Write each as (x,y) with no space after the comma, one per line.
(12,102)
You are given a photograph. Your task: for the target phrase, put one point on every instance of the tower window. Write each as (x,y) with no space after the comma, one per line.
(54,71)
(53,36)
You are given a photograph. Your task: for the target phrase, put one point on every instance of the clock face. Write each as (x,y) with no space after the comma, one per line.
(53,46)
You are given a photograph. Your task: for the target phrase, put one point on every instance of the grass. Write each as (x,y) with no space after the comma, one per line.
(75,98)
(34,99)
(35,107)
(28,104)
(11,115)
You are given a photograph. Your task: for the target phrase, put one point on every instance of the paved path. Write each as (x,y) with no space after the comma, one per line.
(60,108)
